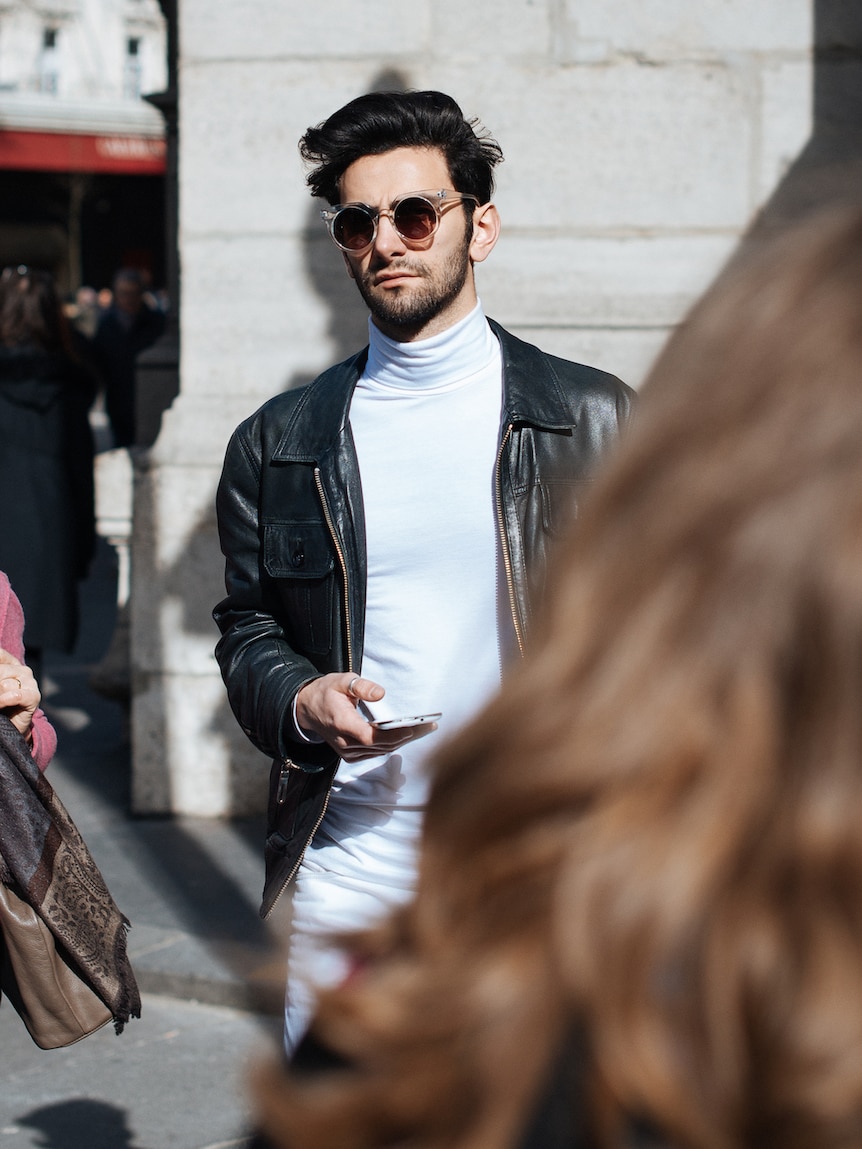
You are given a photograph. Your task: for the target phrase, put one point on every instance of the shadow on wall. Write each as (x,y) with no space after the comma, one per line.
(195,581)
(830,164)
(347,317)
(188,591)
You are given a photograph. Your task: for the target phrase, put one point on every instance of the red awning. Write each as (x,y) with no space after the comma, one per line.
(71,152)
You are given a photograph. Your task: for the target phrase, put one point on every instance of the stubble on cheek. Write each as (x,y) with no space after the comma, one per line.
(418,303)
(403,303)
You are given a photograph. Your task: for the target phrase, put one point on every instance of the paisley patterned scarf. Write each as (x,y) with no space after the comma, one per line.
(46,862)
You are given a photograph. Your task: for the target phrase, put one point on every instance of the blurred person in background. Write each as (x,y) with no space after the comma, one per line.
(47,518)
(84,311)
(638,919)
(128,326)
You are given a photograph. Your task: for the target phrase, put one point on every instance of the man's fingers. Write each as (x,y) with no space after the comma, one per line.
(329,707)
(362,689)
(374,742)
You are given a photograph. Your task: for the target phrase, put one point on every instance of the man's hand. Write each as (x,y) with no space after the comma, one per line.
(327,707)
(19,692)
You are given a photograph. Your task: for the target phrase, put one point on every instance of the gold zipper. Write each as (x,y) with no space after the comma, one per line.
(341,561)
(284,774)
(504,544)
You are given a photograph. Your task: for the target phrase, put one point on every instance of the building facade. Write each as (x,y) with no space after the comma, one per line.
(82,153)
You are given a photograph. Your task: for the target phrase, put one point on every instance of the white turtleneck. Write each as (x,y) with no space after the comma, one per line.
(425,418)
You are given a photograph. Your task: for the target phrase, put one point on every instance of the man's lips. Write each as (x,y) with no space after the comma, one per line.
(393,277)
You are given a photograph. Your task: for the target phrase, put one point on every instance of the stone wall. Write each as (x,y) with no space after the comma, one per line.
(640,140)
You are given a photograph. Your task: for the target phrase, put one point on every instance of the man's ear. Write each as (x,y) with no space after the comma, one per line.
(486,231)
(348,265)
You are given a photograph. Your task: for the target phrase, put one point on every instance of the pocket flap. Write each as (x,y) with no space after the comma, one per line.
(297,550)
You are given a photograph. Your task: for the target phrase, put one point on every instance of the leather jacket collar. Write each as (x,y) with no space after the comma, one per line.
(531,394)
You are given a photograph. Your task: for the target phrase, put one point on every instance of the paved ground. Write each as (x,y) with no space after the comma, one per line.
(175,1079)
(210,971)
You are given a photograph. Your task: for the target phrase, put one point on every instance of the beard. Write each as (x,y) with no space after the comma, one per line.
(409,309)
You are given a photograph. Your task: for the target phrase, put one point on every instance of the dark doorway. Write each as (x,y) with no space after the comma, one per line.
(83,227)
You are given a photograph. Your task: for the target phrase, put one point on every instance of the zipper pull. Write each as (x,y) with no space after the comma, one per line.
(283,779)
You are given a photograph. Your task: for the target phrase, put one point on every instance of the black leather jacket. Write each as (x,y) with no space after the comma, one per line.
(292,531)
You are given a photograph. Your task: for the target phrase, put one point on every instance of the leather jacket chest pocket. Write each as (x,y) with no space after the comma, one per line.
(298,557)
(551,506)
(548,510)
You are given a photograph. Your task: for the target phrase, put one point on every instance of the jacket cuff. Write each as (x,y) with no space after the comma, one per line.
(311,739)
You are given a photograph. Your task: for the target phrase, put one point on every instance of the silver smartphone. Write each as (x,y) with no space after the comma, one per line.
(401,723)
(367,709)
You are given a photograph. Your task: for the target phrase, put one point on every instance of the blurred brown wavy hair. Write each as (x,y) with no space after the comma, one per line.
(654,834)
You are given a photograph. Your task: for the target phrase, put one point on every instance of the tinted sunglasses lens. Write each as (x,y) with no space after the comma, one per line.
(415,218)
(353,228)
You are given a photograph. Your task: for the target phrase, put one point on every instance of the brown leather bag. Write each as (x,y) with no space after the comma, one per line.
(55,1004)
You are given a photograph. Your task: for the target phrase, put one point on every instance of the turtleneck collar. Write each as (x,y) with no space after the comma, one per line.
(446,359)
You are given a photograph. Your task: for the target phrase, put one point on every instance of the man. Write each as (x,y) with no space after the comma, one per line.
(128,327)
(386,528)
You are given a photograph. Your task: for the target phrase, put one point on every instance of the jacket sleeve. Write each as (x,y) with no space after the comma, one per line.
(261,671)
(626,406)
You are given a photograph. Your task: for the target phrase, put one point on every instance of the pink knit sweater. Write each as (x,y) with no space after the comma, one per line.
(44,742)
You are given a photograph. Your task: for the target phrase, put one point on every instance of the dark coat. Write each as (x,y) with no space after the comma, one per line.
(292,529)
(115,349)
(47,516)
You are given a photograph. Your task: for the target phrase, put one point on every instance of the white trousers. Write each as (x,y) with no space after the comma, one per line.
(328,904)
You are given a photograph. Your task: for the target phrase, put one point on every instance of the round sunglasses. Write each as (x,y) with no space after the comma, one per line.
(414,215)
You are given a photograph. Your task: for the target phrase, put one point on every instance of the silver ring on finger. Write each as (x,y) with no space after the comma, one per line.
(350,685)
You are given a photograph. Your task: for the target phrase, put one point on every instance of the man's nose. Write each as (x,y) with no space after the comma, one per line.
(387,241)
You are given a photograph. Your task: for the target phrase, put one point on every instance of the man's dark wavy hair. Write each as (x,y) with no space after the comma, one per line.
(382,121)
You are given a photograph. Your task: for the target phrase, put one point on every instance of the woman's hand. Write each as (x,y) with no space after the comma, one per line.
(19,692)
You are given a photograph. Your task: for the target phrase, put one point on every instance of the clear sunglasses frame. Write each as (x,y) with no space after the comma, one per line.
(438,200)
